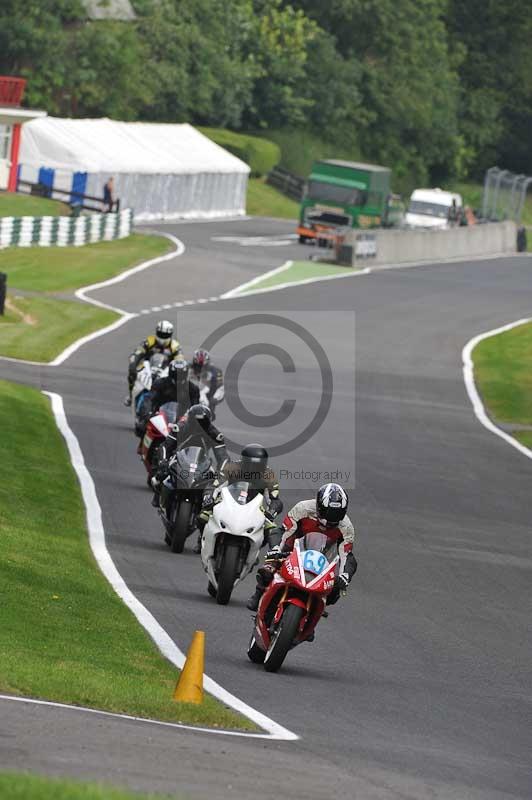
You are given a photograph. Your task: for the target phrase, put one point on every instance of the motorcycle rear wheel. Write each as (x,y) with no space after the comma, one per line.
(228,573)
(283,637)
(180,527)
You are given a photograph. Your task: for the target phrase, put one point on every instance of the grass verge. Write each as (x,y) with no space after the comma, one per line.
(19,786)
(39,328)
(525,437)
(503,374)
(298,271)
(21,205)
(60,269)
(266,201)
(66,636)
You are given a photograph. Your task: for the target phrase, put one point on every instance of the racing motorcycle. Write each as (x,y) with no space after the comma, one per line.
(294,602)
(232,538)
(147,373)
(182,491)
(157,430)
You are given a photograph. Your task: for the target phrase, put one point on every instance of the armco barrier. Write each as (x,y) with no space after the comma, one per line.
(426,246)
(64,231)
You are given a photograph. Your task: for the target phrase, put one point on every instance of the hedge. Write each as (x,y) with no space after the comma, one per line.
(261,154)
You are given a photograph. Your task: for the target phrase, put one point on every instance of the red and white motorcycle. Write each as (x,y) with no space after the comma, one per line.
(294,602)
(147,372)
(157,429)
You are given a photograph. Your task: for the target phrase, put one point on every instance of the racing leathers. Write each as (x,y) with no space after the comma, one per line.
(300,520)
(210,382)
(264,480)
(166,390)
(145,350)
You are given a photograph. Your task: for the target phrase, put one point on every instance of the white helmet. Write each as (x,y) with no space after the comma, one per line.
(164,332)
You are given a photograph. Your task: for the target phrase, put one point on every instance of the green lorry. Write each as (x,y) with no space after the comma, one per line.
(345,194)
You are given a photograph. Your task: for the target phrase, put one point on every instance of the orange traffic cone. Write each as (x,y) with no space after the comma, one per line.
(189,687)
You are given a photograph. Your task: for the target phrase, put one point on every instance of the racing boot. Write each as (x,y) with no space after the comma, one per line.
(254,600)
(264,578)
(203,518)
(127,400)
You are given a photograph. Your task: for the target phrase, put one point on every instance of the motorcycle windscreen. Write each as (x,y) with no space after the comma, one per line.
(242,492)
(317,551)
(170,411)
(158,361)
(194,460)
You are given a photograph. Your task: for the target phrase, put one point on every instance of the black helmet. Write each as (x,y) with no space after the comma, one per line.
(164,332)
(200,412)
(200,359)
(331,504)
(254,459)
(178,371)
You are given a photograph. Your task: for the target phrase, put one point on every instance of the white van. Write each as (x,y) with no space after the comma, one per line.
(431,208)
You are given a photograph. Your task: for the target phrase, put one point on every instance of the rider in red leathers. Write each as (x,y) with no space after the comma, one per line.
(326,514)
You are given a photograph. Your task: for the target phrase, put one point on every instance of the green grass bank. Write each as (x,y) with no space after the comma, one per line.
(20,786)
(39,326)
(22,205)
(503,375)
(66,636)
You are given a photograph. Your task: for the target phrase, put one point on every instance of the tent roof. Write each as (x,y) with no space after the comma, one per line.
(106,145)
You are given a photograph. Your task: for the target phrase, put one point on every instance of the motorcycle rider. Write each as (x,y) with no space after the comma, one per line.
(162,342)
(209,379)
(252,467)
(195,424)
(326,514)
(175,387)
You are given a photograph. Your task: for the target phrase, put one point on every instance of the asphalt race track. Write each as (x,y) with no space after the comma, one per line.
(419,685)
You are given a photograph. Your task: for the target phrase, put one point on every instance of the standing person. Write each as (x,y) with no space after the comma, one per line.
(453,214)
(108,195)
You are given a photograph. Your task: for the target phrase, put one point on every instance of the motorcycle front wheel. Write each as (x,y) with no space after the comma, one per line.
(180,527)
(283,637)
(255,654)
(228,573)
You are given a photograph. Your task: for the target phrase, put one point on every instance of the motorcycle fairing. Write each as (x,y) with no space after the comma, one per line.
(229,517)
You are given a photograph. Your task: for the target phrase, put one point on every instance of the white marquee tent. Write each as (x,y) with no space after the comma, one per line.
(162,171)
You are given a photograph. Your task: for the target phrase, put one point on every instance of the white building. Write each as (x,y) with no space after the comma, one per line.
(162,171)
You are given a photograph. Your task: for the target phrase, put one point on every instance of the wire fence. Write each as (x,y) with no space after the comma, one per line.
(504,195)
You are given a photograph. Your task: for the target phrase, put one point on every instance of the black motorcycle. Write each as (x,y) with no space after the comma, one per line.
(191,469)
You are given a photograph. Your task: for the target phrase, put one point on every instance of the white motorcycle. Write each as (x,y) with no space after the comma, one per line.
(232,538)
(147,373)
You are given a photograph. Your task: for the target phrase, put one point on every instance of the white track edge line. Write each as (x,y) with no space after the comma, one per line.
(472,391)
(116,715)
(99,549)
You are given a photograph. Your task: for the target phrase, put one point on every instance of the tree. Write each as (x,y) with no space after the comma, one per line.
(496,81)
(408,82)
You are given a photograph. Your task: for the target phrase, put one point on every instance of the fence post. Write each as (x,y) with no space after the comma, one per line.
(3,287)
